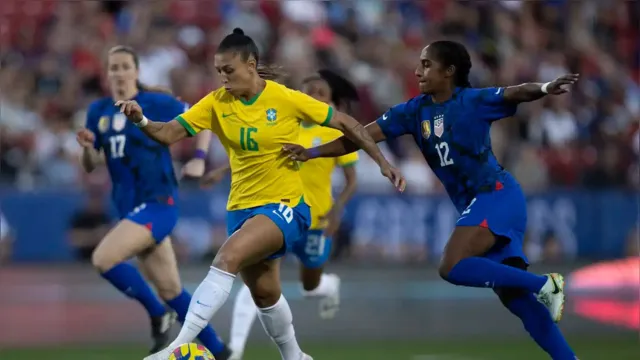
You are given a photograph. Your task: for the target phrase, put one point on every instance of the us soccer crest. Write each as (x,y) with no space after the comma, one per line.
(119,121)
(426,129)
(272,115)
(438,125)
(103,124)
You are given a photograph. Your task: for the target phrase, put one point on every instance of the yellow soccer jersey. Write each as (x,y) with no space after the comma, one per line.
(253,133)
(316,173)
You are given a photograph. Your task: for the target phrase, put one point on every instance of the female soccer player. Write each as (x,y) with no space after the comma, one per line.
(144,192)
(450,123)
(267,213)
(338,92)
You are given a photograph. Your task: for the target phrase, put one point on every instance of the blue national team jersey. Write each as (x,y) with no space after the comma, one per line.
(141,169)
(454,139)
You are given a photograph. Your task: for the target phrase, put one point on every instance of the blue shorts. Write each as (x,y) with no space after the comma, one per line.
(314,250)
(159,218)
(504,212)
(293,222)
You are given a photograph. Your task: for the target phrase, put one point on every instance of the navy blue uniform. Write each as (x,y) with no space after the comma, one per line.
(454,139)
(144,183)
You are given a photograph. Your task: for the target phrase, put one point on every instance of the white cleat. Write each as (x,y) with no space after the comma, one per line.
(306,357)
(552,295)
(236,355)
(160,355)
(329,305)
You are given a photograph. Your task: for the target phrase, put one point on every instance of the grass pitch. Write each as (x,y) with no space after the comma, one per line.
(626,347)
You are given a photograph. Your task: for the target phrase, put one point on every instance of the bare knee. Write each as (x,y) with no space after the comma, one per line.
(169,290)
(102,261)
(265,296)
(446,265)
(227,261)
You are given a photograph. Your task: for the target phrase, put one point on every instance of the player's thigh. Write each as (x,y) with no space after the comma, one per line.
(263,280)
(465,241)
(124,241)
(159,264)
(257,239)
(506,295)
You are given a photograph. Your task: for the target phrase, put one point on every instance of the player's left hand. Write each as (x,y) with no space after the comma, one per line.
(131,109)
(213,177)
(295,152)
(394,176)
(194,168)
(562,84)
(333,220)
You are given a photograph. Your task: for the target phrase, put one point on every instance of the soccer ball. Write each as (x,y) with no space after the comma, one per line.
(191,351)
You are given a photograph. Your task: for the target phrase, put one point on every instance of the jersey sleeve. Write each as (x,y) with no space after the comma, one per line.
(198,117)
(398,120)
(93,118)
(310,109)
(347,160)
(491,104)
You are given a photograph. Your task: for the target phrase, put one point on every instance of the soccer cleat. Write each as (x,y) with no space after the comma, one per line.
(330,304)
(306,357)
(552,295)
(226,354)
(160,355)
(160,327)
(236,355)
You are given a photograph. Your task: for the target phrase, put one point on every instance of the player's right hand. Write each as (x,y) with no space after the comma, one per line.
(295,152)
(213,177)
(394,176)
(85,138)
(131,109)
(194,168)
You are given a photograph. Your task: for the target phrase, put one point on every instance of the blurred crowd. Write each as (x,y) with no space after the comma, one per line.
(52,54)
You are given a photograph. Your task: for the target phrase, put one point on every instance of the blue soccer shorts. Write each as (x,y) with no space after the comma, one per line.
(504,212)
(159,218)
(314,249)
(292,221)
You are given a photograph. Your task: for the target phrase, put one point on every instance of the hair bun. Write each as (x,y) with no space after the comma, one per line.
(238,31)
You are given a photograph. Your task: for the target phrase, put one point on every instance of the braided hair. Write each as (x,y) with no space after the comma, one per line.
(451,53)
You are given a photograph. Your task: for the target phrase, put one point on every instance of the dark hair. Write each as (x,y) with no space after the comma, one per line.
(342,90)
(451,53)
(238,42)
(244,45)
(136,61)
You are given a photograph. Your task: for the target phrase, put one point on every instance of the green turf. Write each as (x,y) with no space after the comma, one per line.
(614,348)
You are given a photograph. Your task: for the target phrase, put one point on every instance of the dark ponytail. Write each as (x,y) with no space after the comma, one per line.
(136,61)
(272,72)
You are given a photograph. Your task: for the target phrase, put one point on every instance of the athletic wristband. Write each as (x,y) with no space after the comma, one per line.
(313,153)
(200,154)
(144,122)
(544,87)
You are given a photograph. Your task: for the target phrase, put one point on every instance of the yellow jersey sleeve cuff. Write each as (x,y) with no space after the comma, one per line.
(186,125)
(329,116)
(349,164)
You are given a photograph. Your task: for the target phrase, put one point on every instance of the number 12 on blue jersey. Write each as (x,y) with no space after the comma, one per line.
(246,141)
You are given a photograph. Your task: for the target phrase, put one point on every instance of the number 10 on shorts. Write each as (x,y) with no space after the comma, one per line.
(285,212)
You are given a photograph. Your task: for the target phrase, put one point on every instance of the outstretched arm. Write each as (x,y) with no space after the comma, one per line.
(534,91)
(166,133)
(356,137)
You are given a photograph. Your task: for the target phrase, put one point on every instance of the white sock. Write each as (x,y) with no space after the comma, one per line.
(277,321)
(328,286)
(210,295)
(244,314)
